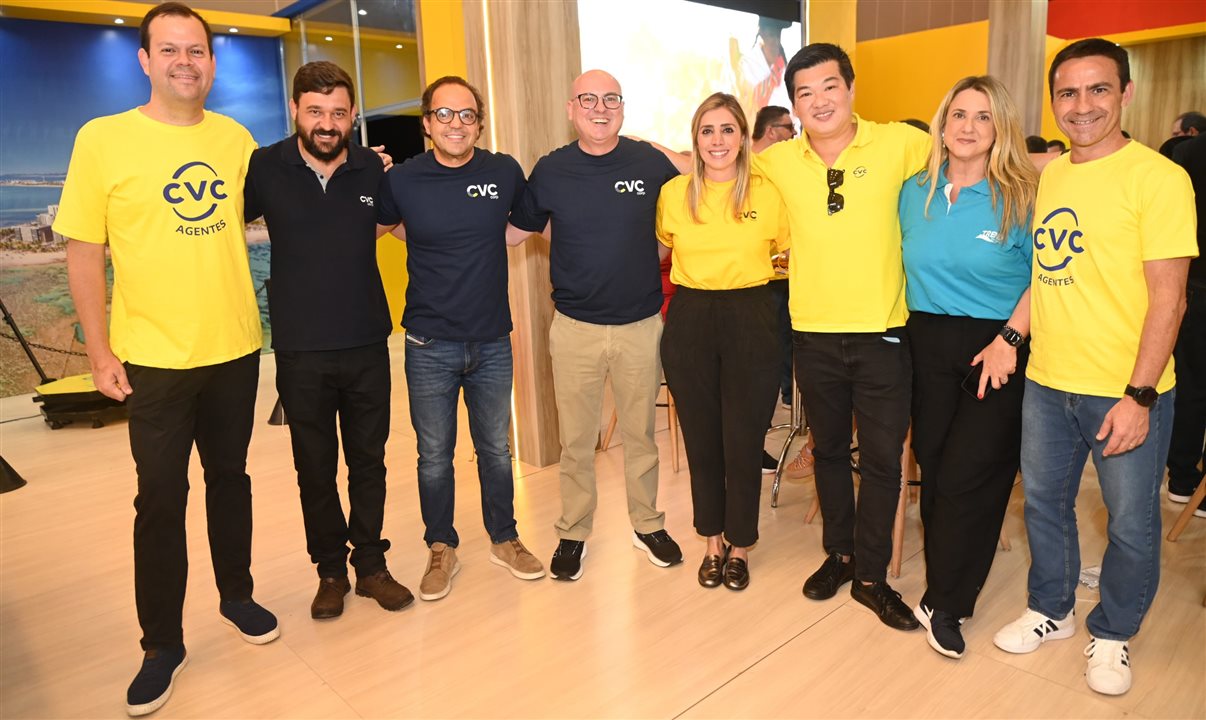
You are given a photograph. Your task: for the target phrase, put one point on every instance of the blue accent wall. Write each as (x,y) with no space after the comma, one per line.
(57,76)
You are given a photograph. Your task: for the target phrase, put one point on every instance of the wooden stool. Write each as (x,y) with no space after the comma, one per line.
(1187,513)
(672,421)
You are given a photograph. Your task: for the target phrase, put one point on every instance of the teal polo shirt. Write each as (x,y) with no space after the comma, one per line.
(954,261)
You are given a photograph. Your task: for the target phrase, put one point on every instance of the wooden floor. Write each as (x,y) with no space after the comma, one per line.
(628,640)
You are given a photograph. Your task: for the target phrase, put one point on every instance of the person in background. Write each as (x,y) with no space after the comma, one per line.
(1057,146)
(921,125)
(1036,145)
(719,349)
(965,226)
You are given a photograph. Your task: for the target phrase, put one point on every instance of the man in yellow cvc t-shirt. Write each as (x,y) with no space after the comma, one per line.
(162,185)
(1113,234)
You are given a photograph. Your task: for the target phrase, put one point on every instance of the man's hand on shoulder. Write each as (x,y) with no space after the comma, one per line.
(386,159)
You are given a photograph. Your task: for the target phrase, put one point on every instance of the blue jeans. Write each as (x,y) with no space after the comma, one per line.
(1058,432)
(436,372)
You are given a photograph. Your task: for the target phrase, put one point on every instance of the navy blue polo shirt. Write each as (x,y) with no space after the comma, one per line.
(603,254)
(456,242)
(326,291)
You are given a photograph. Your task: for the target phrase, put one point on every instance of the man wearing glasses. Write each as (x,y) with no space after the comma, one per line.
(771,125)
(599,196)
(450,205)
(841,180)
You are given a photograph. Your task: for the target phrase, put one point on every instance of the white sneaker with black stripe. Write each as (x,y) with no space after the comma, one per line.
(1033,629)
(1109,668)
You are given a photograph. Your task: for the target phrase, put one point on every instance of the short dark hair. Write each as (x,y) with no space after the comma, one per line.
(171,9)
(1036,144)
(1091,47)
(322,77)
(812,55)
(921,125)
(1057,144)
(1193,120)
(765,117)
(425,103)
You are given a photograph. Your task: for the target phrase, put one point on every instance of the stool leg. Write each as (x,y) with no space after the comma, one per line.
(1187,513)
(611,428)
(672,421)
(898,525)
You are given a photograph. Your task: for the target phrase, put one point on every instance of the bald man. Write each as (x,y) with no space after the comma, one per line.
(598,196)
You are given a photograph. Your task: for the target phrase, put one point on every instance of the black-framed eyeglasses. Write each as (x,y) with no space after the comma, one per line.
(785,126)
(468,116)
(834,179)
(611,101)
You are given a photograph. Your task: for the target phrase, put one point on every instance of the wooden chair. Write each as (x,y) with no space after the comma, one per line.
(1187,514)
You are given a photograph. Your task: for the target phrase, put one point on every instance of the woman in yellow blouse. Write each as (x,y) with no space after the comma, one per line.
(719,349)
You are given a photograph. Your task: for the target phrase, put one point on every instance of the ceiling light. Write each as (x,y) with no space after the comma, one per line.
(234,30)
(364,12)
(119,21)
(398,46)
(328,38)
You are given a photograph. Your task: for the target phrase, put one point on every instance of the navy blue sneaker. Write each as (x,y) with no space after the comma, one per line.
(254,623)
(152,685)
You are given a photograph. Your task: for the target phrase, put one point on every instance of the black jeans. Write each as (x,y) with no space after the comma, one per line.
(213,406)
(783,333)
(968,450)
(1187,450)
(353,385)
(869,376)
(721,359)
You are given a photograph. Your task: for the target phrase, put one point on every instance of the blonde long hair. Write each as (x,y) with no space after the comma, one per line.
(740,194)
(1012,179)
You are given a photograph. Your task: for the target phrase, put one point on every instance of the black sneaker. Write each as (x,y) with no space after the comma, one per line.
(567,560)
(658,545)
(832,575)
(769,463)
(886,604)
(152,685)
(944,631)
(254,623)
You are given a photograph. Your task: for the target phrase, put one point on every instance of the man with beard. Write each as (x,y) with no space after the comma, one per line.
(330,323)
(160,184)
(450,205)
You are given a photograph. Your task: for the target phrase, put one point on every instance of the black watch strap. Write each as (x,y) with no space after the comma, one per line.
(1145,396)
(1011,336)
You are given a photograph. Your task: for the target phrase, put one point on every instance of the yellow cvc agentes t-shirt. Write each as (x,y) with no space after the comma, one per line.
(169,202)
(1095,224)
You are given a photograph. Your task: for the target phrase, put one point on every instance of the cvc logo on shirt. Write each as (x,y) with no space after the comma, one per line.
(489,190)
(630,186)
(1056,243)
(193,194)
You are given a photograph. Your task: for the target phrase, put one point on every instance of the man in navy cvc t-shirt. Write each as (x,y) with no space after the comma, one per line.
(451,205)
(599,197)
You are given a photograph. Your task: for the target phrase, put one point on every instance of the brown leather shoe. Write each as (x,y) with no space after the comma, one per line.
(382,587)
(736,574)
(711,570)
(328,602)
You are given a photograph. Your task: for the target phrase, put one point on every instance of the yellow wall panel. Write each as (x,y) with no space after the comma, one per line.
(906,76)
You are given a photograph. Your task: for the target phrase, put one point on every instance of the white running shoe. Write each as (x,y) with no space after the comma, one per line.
(1033,629)
(1109,668)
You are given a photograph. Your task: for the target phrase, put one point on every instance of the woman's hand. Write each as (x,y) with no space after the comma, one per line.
(1000,361)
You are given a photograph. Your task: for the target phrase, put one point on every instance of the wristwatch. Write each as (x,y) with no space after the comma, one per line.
(1145,395)
(1012,336)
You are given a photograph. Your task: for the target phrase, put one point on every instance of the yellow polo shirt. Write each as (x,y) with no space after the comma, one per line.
(728,248)
(169,202)
(1095,224)
(846,272)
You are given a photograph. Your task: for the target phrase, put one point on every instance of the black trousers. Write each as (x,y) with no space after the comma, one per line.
(721,359)
(214,407)
(783,333)
(968,450)
(353,386)
(1187,449)
(869,376)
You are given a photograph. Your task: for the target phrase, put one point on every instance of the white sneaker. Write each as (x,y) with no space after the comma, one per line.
(1033,629)
(1109,668)
(1174,497)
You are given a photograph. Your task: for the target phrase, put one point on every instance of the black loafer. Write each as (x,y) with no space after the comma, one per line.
(711,570)
(833,574)
(736,574)
(886,604)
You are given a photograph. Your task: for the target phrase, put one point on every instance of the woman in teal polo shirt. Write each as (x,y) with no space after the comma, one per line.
(965,223)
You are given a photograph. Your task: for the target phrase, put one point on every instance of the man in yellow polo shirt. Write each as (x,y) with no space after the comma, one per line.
(162,186)
(840,181)
(1113,235)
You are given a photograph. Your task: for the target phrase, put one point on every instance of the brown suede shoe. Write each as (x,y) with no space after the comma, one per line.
(382,587)
(442,565)
(328,602)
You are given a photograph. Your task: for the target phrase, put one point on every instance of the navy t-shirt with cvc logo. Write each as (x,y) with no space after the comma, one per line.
(603,252)
(456,223)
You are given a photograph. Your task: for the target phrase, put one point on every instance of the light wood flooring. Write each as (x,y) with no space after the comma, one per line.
(628,640)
